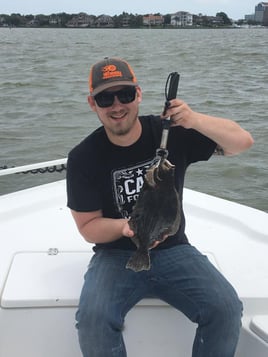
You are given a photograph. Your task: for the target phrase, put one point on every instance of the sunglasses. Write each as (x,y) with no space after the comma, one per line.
(106,99)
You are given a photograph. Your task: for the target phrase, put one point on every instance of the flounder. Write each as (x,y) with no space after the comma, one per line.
(156,213)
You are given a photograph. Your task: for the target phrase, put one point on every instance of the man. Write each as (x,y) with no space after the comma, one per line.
(104,177)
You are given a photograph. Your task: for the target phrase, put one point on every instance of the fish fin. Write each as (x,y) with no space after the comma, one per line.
(139,261)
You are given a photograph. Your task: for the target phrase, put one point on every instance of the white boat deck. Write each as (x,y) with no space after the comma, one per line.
(43,260)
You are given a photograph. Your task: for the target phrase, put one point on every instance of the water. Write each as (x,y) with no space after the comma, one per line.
(43,95)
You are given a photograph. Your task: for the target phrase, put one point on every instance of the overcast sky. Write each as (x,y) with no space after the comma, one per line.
(235,9)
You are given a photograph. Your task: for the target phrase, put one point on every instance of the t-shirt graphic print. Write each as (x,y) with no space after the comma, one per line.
(127,184)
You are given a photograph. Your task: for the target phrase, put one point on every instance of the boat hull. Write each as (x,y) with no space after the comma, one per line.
(43,259)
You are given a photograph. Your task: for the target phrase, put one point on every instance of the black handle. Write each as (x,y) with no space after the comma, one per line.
(171,88)
(173,82)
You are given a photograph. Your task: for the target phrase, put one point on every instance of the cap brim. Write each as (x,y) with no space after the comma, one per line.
(112,84)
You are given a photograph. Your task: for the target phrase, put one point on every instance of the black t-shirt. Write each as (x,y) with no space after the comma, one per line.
(107,177)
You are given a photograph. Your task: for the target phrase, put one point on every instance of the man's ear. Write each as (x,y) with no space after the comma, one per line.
(91,102)
(139,94)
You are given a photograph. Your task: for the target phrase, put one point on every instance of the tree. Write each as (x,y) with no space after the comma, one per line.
(225,18)
(16,20)
(167,19)
(42,20)
(136,21)
(65,18)
(177,19)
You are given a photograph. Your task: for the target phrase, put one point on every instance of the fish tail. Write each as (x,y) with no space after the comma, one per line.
(139,261)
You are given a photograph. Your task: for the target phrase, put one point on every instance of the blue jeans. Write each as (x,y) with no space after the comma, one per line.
(180,276)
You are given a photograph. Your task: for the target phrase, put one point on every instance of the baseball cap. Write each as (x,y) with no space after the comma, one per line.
(108,73)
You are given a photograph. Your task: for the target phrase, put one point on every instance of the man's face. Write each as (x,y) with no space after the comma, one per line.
(118,118)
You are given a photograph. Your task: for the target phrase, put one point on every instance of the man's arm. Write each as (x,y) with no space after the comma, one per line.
(226,133)
(97,229)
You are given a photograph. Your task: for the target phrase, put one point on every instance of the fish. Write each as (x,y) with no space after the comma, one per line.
(156,213)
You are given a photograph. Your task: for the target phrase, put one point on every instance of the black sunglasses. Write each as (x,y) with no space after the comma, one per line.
(105,99)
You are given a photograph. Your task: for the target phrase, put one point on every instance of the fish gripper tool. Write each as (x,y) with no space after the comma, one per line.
(171,89)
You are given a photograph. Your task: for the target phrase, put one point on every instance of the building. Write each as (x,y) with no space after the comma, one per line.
(104,21)
(261,13)
(250,17)
(54,20)
(81,20)
(125,20)
(153,20)
(181,19)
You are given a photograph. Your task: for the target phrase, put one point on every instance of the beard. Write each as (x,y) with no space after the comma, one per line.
(122,127)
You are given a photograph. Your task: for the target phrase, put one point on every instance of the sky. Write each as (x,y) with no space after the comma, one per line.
(235,9)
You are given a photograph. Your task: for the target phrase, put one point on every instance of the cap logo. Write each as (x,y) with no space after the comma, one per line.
(110,71)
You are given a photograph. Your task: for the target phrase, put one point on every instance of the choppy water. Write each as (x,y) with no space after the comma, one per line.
(43,90)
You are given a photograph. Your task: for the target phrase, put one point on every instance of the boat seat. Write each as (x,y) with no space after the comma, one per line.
(259,325)
(50,279)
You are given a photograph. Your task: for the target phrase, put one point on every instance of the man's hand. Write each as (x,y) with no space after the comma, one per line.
(180,114)
(126,231)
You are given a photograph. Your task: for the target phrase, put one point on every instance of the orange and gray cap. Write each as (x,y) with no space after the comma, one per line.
(108,73)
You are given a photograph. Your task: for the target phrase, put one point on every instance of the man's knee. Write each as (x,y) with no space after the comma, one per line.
(225,311)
